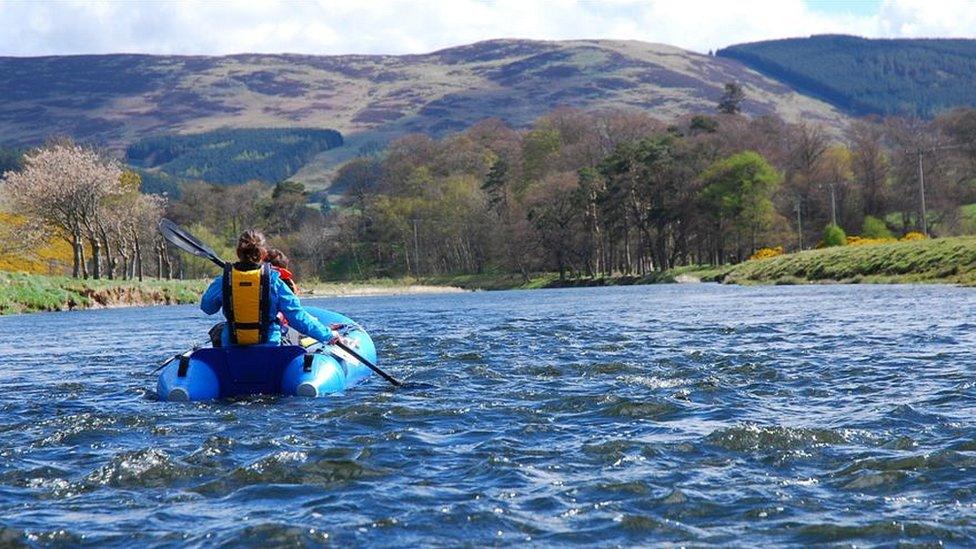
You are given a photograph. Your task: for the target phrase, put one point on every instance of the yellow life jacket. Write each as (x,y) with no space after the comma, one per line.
(247,302)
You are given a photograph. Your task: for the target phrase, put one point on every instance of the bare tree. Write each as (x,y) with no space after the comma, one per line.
(63,185)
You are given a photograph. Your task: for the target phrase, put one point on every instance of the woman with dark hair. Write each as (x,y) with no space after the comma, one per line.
(252,294)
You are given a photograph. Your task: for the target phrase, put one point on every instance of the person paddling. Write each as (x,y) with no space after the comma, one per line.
(251,294)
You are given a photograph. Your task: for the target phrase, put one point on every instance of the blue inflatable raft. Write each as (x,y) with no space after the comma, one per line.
(293,369)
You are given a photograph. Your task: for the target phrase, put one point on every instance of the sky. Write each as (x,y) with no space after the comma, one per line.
(216,27)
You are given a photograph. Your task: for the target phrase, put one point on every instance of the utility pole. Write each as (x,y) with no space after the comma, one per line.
(799,225)
(921,179)
(416,246)
(921,192)
(833,205)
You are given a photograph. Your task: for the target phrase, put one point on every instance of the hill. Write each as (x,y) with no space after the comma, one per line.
(870,76)
(116,100)
(950,260)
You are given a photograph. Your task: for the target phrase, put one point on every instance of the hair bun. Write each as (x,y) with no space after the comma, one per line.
(251,246)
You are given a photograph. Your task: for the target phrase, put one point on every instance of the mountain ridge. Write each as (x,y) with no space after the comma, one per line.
(115,100)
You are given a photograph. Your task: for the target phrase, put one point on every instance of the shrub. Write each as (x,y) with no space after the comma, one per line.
(875,228)
(862,241)
(834,236)
(766,253)
(913,235)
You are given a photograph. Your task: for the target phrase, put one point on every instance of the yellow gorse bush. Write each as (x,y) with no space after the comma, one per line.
(862,241)
(30,255)
(766,253)
(913,235)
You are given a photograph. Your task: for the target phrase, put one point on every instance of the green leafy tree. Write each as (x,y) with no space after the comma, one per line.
(538,147)
(834,236)
(875,228)
(738,194)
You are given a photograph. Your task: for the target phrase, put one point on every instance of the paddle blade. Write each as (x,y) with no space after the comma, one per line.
(179,237)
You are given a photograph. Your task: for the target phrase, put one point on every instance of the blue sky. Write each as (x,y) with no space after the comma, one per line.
(852,7)
(50,27)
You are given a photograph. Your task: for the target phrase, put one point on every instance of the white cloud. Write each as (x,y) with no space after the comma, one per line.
(419,26)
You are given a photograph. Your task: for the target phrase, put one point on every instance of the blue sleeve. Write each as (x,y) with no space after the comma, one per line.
(298,318)
(213,298)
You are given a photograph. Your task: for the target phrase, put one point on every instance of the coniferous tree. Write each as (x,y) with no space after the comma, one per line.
(731,101)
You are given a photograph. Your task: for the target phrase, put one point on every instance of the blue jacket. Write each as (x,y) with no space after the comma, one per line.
(282,300)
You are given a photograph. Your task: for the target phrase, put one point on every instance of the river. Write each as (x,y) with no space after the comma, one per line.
(699,414)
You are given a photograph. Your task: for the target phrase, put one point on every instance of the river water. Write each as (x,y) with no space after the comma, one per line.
(699,414)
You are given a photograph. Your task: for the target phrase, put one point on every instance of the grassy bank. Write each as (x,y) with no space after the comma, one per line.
(23,293)
(941,260)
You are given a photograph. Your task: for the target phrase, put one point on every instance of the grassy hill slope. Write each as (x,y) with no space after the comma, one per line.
(938,260)
(870,76)
(119,99)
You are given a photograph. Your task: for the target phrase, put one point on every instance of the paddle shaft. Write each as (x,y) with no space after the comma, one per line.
(182,239)
(393,381)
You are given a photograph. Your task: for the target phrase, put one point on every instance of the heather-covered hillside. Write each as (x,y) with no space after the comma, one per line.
(117,100)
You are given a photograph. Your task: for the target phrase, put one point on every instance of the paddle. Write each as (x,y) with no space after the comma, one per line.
(338,343)
(179,237)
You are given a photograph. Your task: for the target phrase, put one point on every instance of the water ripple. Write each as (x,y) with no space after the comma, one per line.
(608,416)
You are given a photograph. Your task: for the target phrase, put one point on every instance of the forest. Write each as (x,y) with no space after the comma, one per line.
(581,193)
(912,77)
(230,156)
(605,193)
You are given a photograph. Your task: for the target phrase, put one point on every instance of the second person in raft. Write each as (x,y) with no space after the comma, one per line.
(252,294)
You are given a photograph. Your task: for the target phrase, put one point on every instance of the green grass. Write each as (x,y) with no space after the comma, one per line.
(943,260)
(25,293)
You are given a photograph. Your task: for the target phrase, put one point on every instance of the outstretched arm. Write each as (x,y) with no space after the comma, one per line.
(297,317)
(213,298)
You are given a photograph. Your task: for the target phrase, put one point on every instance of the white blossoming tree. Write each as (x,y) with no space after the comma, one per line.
(69,188)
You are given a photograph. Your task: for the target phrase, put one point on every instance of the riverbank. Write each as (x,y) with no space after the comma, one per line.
(509,281)
(941,260)
(375,288)
(950,260)
(27,293)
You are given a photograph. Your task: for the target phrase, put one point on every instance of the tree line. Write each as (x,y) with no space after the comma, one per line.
(92,203)
(604,193)
(596,193)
